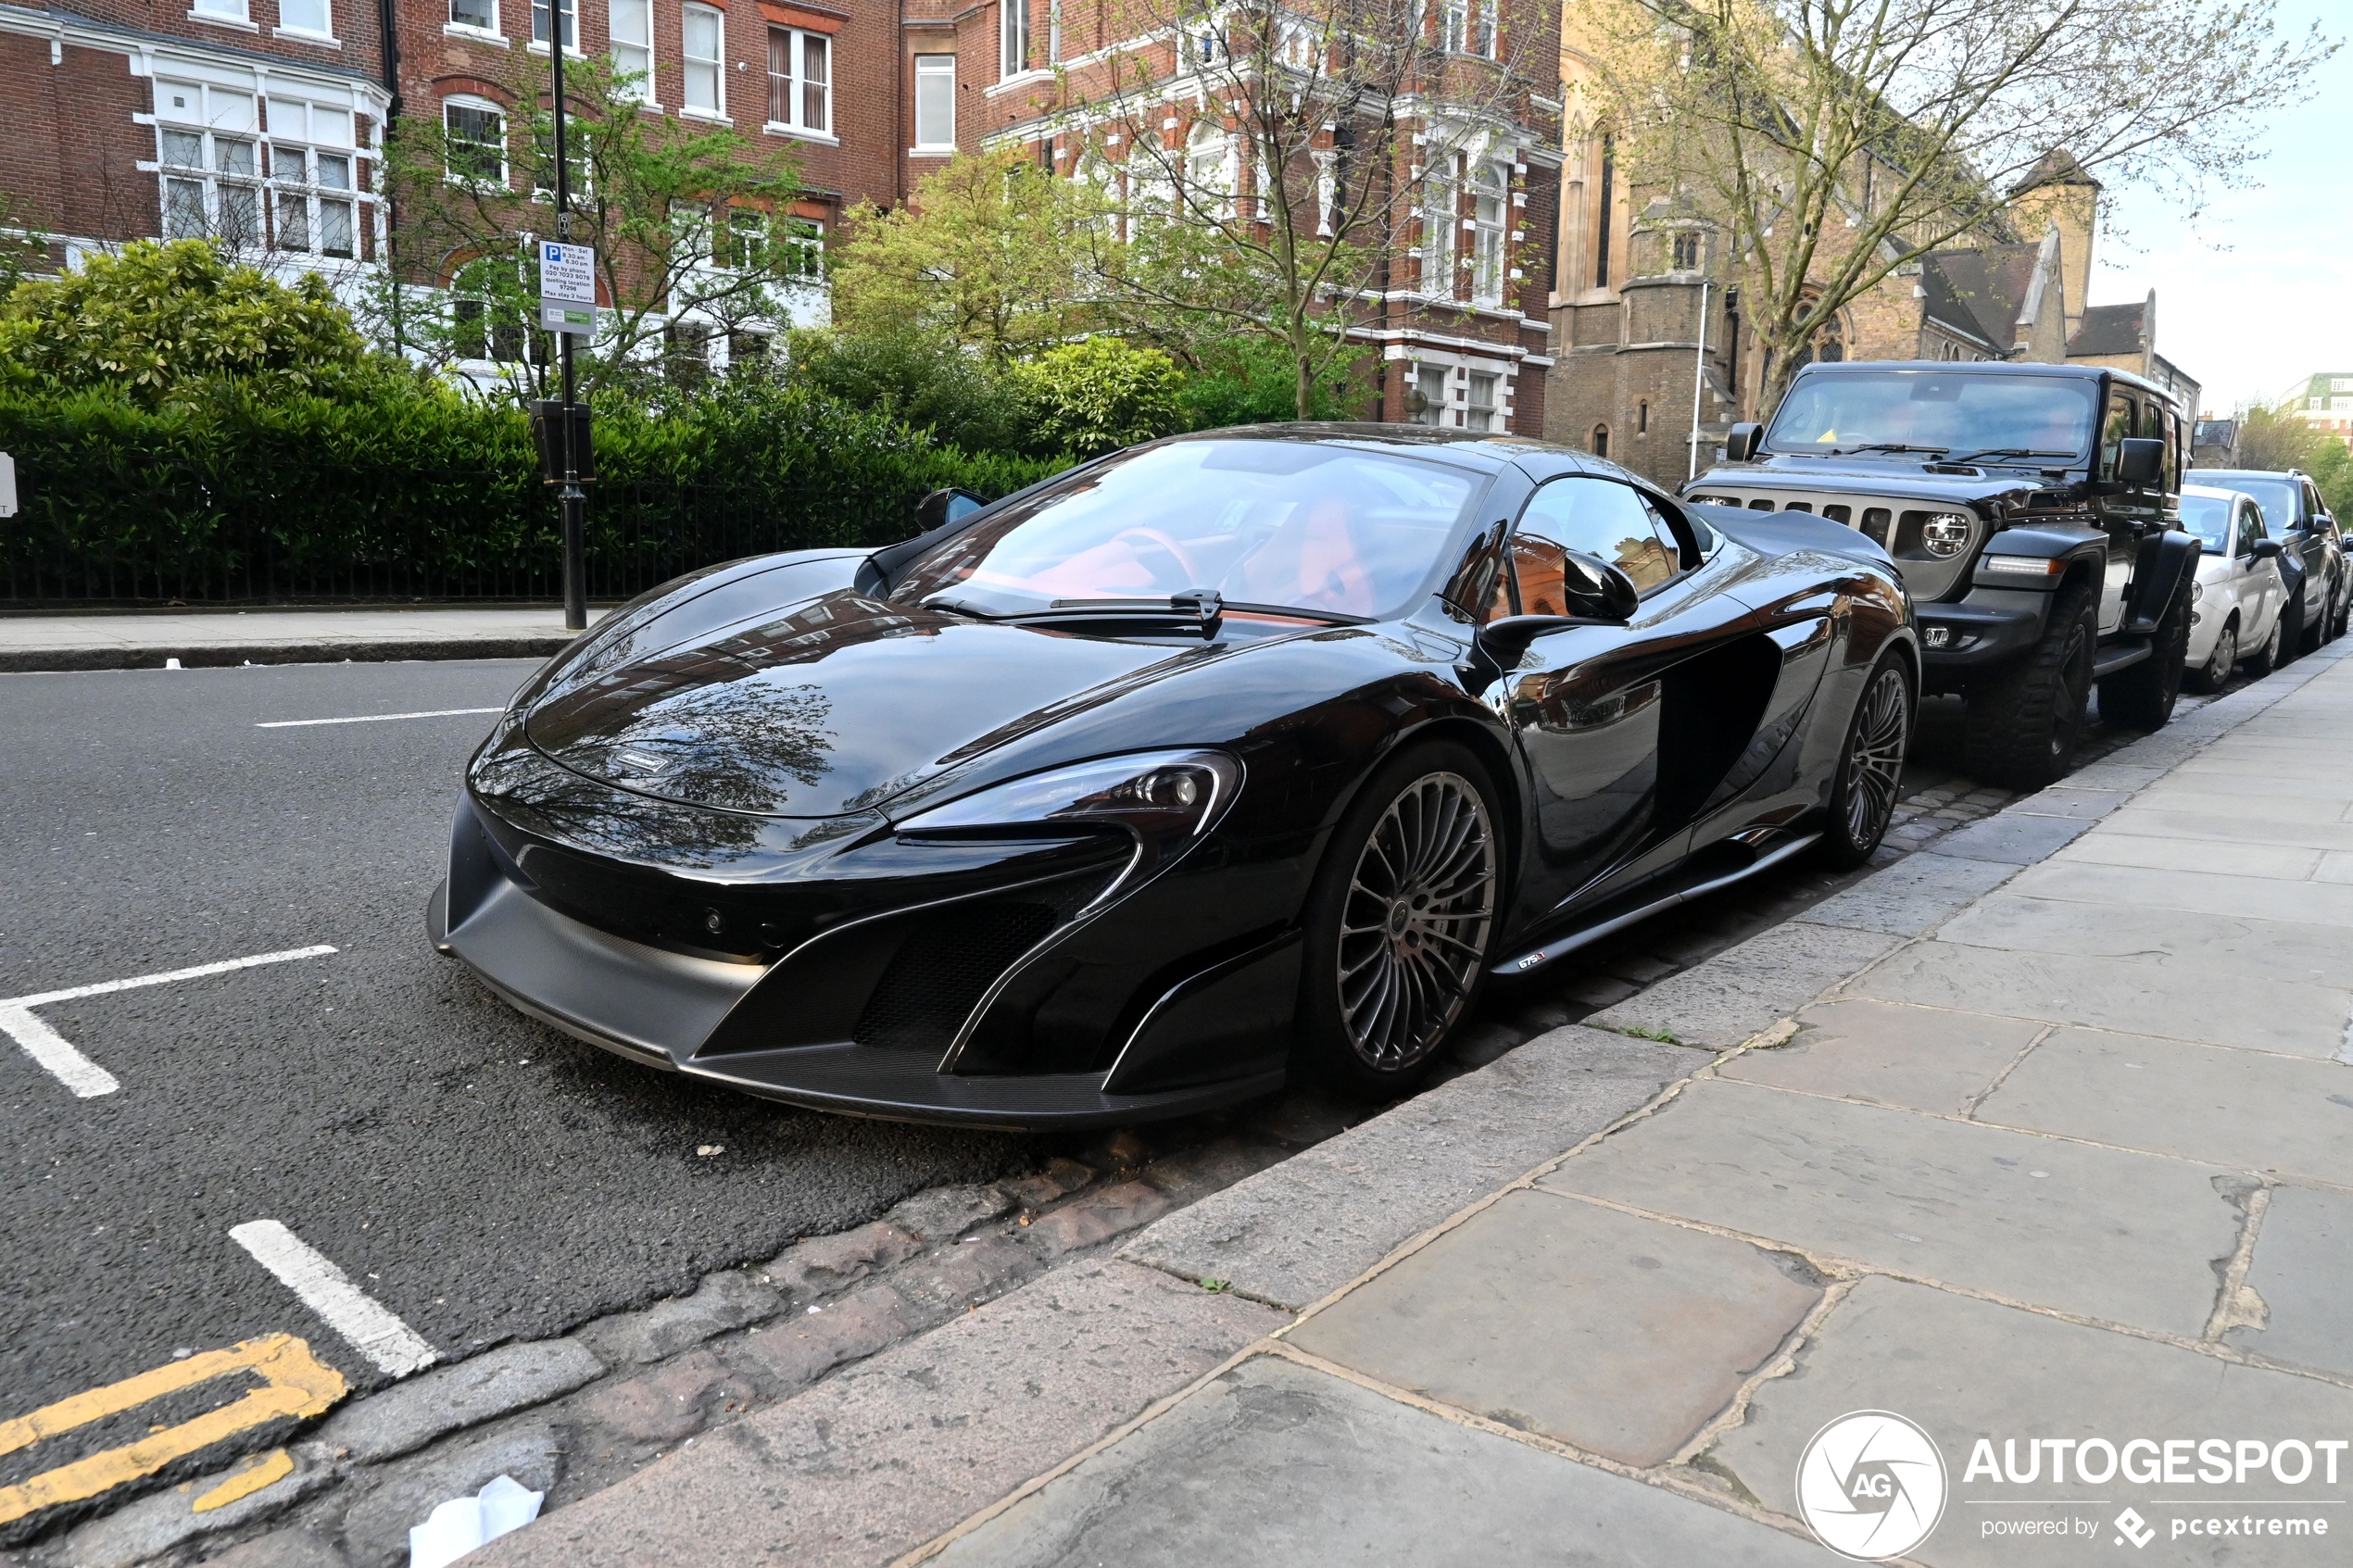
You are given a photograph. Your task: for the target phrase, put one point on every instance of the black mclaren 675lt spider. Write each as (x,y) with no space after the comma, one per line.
(1210,762)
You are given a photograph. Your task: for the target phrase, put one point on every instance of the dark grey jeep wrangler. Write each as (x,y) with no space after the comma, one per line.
(2034,512)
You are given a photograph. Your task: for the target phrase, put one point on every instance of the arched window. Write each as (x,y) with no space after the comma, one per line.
(1601,441)
(1490,207)
(1209,176)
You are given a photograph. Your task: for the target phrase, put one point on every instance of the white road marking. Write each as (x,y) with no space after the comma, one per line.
(69,1066)
(374,718)
(54,1051)
(372,1329)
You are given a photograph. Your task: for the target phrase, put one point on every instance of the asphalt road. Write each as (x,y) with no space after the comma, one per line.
(482,1177)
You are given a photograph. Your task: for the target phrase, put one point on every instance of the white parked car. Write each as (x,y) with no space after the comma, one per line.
(2234,607)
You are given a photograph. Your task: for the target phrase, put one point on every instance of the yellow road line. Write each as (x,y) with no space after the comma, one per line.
(274,1466)
(293,1384)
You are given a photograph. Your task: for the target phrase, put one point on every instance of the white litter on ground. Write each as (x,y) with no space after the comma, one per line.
(462,1523)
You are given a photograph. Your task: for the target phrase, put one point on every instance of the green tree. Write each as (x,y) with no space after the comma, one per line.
(24,246)
(692,224)
(2332,469)
(923,377)
(989,251)
(158,318)
(2272,436)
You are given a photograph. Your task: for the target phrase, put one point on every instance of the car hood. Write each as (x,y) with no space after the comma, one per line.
(837,707)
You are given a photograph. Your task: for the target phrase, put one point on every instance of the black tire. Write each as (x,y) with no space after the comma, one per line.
(1870,766)
(2268,657)
(2308,630)
(2142,698)
(1396,954)
(2291,632)
(2022,726)
(2220,663)
(2342,614)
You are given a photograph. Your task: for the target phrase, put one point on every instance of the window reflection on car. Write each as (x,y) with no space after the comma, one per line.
(1315,528)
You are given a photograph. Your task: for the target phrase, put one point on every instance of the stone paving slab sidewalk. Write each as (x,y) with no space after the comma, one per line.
(2050,1145)
(143,640)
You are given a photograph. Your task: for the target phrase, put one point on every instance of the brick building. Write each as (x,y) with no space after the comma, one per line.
(260,122)
(254,120)
(1457,324)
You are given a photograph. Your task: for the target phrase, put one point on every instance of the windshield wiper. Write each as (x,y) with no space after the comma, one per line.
(2009,452)
(1884,446)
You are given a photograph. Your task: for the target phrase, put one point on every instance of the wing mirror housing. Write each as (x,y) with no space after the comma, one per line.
(2139,460)
(1741,445)
(1598,593)
(943,507)
(2267,550)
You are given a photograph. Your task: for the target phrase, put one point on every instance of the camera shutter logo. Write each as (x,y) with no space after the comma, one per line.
(1871,1485)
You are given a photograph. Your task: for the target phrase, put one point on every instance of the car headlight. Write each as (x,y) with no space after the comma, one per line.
(1945,535)
(1162,796)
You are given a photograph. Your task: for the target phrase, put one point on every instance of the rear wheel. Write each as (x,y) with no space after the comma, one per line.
(2142,698)
(2265,660)
(1400,922)
(2022,725)
(1870,771)
(2309,628)
(2211,675)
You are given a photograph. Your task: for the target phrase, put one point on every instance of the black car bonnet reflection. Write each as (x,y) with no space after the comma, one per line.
(837,707)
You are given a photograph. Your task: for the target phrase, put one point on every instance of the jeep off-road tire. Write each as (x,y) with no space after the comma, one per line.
(2142,698)
(2022,725)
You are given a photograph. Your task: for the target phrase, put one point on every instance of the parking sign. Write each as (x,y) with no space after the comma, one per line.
(568,288)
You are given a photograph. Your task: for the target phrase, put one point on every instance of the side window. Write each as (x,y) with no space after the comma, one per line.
(2172,435)
(2250,530)
(2312,507)
(1596,517)
(2121,415)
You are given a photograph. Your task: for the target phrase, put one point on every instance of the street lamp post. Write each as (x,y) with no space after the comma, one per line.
(572,502)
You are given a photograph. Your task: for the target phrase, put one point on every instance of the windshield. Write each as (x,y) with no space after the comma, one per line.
(2278,498)
(2208,517)
(1324,529)
(1951,412)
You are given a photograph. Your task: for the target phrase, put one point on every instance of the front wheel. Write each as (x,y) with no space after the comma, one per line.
(2022,726)
(1870,771)
(1400,920)
(2215,672)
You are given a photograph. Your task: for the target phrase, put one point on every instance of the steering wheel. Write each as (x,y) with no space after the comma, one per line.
(1161,544)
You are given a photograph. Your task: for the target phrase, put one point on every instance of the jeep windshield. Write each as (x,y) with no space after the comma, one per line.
(2032,421)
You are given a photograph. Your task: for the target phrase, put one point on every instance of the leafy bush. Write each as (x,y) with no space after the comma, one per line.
(158,317)
(1254,382)
(1099,394)
(923,378)
(428,494)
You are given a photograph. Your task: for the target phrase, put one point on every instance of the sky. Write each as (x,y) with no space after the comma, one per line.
(2259,293)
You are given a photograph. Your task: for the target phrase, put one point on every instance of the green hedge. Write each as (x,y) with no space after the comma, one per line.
(428,494)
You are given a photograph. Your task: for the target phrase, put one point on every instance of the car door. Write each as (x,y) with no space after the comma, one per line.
(2255,581)
(1587,705)
(2125,514)
(2312,544)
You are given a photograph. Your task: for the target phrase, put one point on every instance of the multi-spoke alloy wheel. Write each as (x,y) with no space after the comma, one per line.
(1863,795)
(1875,758)
(1414,925)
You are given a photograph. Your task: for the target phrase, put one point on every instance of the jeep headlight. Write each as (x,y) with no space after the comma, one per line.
(1944,535)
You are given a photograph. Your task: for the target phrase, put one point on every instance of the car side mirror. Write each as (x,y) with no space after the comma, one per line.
(2139,460)
(1597,593)
(2267,550)
(943,507)
(1742,443)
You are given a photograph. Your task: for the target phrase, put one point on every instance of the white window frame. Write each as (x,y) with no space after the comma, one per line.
(1054,32)
(937,68)
(549,10)
(325,34)
(236,13)
(1483,417)
(505,160)
(1490,240)
(285,139)
(1441,205)
(643,92)
(796,83)
(473,29)
(1013,39)
(1207,137)
(715,63)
